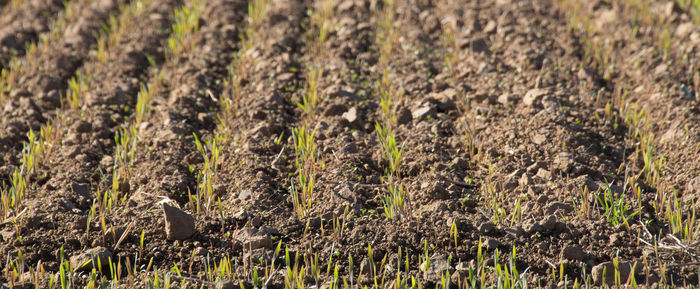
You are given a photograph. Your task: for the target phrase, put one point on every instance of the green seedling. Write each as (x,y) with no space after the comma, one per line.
(185,26)
(208,175)
(391,151)
(310,98)
(616,209)
(682,224)
(396,202)
(306,163)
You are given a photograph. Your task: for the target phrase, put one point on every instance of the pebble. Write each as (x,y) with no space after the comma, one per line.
(253,238)
(438,265)
(350,115)
(88,259)
(533,96)
(608,278)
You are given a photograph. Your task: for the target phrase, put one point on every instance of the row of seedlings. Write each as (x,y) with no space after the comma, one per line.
(396,199)
(307,156)
(40,146)
(79,92)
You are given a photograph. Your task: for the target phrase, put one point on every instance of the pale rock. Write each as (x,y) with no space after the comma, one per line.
(252,238)
(350,115)
(684,29)
(421,112)
(437,266)
(604,273)
(533,96)
(89,259)
(179,225)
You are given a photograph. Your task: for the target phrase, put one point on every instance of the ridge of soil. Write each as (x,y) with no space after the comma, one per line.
(524,84)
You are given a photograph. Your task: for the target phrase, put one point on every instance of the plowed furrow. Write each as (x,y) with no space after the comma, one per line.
(267,111)
(346,86)
(43,78)
(187,105)
(111,90)
(23,24)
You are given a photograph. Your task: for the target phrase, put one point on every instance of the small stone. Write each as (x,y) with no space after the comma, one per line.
(462,266)
(89,259)
(107,162)
(515,231)
(345,6)
(574,252)
(533,96)
(422,112)
(661,69)
(604,273)
(684,29)
(179,225)
(201,251)
(538,139)
(252,238)
(564,161)
(670,7)
(533,168)
(244,195)
(615,239)
(350,115)
(438,265)
(525,180)
(7,235)
(241,215)
(544,174)
(532,227)
(227,285)
(506,98)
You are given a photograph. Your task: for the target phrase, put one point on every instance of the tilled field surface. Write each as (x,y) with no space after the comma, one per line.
(349,143)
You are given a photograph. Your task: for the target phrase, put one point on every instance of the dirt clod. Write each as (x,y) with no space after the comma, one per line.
(492,244)
(574,252)
(487,228)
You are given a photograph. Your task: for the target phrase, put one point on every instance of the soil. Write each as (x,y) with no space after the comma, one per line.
(24,24)
(525,85)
